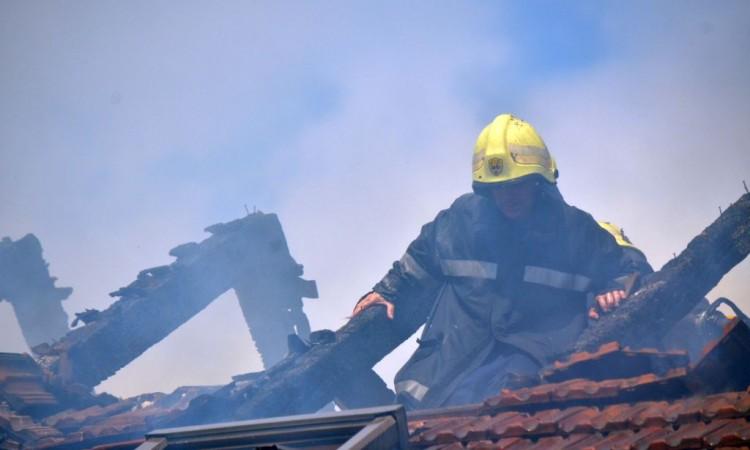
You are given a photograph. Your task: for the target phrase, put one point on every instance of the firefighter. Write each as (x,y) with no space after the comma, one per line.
(703,324)
(633,254)
(508,267)
(633,258)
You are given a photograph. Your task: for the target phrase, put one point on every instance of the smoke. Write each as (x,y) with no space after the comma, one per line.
(126,129)
(655,139)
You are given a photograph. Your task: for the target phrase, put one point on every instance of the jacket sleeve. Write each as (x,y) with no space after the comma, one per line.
(606,260)
(418,271)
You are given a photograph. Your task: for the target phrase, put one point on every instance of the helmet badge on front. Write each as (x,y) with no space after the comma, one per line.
(495,165)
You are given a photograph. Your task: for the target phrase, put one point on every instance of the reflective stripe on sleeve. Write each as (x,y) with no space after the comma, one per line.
(413,268)
(413,388)
(556,279)
(468,268)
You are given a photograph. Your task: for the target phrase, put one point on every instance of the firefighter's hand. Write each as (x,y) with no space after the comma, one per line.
(372,299)
(607,302)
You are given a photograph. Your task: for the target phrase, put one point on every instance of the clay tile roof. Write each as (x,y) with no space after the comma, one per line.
(672,410)
(652,424)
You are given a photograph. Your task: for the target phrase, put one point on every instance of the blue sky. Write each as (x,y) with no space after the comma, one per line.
(125,129)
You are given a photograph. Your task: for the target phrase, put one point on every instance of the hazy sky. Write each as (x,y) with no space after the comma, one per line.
(128,127)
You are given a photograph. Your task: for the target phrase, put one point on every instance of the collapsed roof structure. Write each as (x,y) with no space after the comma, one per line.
(603,395)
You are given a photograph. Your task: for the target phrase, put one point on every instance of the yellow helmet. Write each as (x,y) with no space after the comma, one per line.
(508,149)
(618,234)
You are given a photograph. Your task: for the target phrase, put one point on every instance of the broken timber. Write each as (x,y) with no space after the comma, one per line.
(303,383)
(668,295)
(163,298)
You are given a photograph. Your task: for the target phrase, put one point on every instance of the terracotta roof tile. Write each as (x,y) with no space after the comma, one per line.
(613,417)
(547,421)
(684,411)
(580,421)
(743,404)
(549,442)
(474,430)
(505,421)
(732,433)
(520,444)
(481,445)
(690,435)
(721,406)
(651,416)
(445,430)
(510,443)
(522,425)
(615,441)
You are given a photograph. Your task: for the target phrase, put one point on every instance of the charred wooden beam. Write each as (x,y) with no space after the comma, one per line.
(26,284)
(668,295)
(163,298)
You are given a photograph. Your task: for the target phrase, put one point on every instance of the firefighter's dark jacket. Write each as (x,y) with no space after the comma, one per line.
(522,284)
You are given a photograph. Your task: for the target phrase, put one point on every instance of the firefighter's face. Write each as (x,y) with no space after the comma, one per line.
(516,200)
